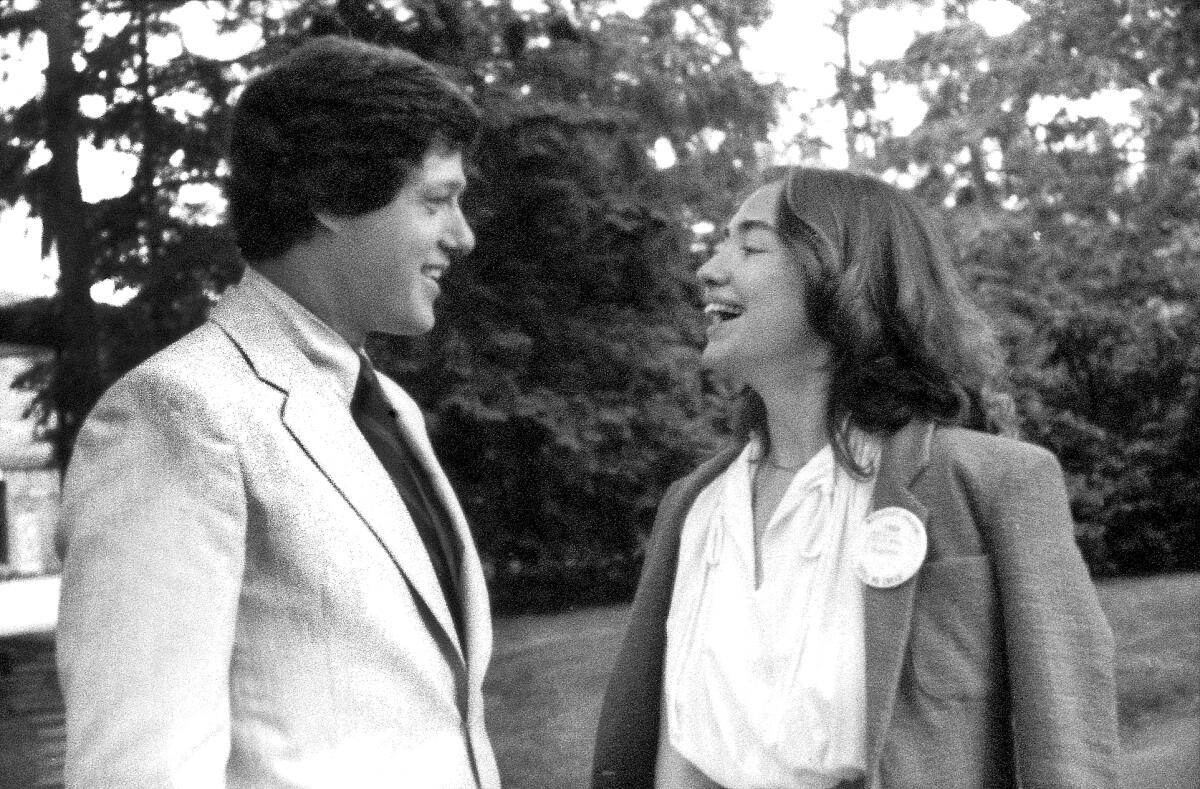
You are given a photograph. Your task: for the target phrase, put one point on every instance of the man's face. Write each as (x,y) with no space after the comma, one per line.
(393,258)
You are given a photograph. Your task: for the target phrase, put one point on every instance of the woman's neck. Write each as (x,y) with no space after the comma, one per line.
(795,410)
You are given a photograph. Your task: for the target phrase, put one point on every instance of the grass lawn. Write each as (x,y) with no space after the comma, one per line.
(549,671)
(544,690)
(1157,626)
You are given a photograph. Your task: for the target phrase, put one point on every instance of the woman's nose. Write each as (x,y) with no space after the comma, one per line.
(714,271)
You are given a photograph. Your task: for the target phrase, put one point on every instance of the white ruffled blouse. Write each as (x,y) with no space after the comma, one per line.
(764,688)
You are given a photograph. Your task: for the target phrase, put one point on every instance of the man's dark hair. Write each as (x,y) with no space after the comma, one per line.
(336,126)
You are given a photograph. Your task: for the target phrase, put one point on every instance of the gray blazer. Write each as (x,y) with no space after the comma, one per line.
(992,667)
(246,601)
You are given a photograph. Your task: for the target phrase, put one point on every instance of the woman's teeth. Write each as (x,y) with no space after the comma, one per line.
(718,313)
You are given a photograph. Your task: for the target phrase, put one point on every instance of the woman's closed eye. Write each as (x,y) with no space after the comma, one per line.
(756,240)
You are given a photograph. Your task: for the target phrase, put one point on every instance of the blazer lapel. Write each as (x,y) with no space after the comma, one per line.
(322,425)
(887,613)
(330,437)
(476,611)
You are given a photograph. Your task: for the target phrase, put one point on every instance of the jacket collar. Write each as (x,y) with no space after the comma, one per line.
(285,343)
(292,350)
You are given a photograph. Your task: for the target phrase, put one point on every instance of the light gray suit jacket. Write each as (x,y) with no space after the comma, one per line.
(992,667)
(246,601)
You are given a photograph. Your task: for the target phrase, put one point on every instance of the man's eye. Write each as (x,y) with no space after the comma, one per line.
(752,250)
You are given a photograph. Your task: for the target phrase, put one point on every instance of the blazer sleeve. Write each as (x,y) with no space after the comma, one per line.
(152,531)
(626,745)
(1059,644)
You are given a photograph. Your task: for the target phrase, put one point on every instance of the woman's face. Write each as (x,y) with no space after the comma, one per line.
(754,300)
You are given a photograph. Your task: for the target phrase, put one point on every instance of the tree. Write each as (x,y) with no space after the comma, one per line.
(562,379)
(561,383)
(143,238)
(55,190)
(1079,231)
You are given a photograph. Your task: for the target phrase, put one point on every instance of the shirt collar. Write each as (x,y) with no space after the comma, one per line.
(864,447)
(334,360)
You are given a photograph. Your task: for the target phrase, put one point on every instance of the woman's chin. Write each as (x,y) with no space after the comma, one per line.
(711,359)
(720,361)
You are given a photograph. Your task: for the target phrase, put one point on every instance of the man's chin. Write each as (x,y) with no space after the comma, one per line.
(408,325)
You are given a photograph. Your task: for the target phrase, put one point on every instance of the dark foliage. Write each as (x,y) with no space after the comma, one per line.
(1082,234)
(561,381)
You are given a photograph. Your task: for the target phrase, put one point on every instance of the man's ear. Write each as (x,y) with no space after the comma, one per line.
(332,223)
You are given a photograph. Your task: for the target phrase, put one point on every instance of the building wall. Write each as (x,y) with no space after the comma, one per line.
(31,481)
(31,503)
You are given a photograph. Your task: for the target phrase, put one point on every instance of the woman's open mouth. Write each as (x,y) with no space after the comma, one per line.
(720,312)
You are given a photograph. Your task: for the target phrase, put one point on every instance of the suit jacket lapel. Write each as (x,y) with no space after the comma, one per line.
(476,612)
(887,613)
(322,425)
(328,434)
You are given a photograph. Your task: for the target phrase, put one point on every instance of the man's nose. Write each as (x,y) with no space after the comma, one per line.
(459,237)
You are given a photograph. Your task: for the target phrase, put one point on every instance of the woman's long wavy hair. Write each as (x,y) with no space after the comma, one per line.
(880,287)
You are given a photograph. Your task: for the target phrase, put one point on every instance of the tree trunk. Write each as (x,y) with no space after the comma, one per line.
(846,87)
(985,192)
(76,381)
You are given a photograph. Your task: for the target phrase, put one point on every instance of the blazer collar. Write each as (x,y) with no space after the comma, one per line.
(286,344)
(887,613)
(667,557)
(290,349)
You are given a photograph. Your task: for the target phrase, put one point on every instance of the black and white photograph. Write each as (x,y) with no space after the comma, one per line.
(599,394)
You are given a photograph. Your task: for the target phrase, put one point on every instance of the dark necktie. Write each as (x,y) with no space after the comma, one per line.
(376,419)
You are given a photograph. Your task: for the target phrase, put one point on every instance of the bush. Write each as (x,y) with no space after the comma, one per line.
(1113,391)
(561,382)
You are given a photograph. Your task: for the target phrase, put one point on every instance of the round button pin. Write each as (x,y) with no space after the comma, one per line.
(891,547)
